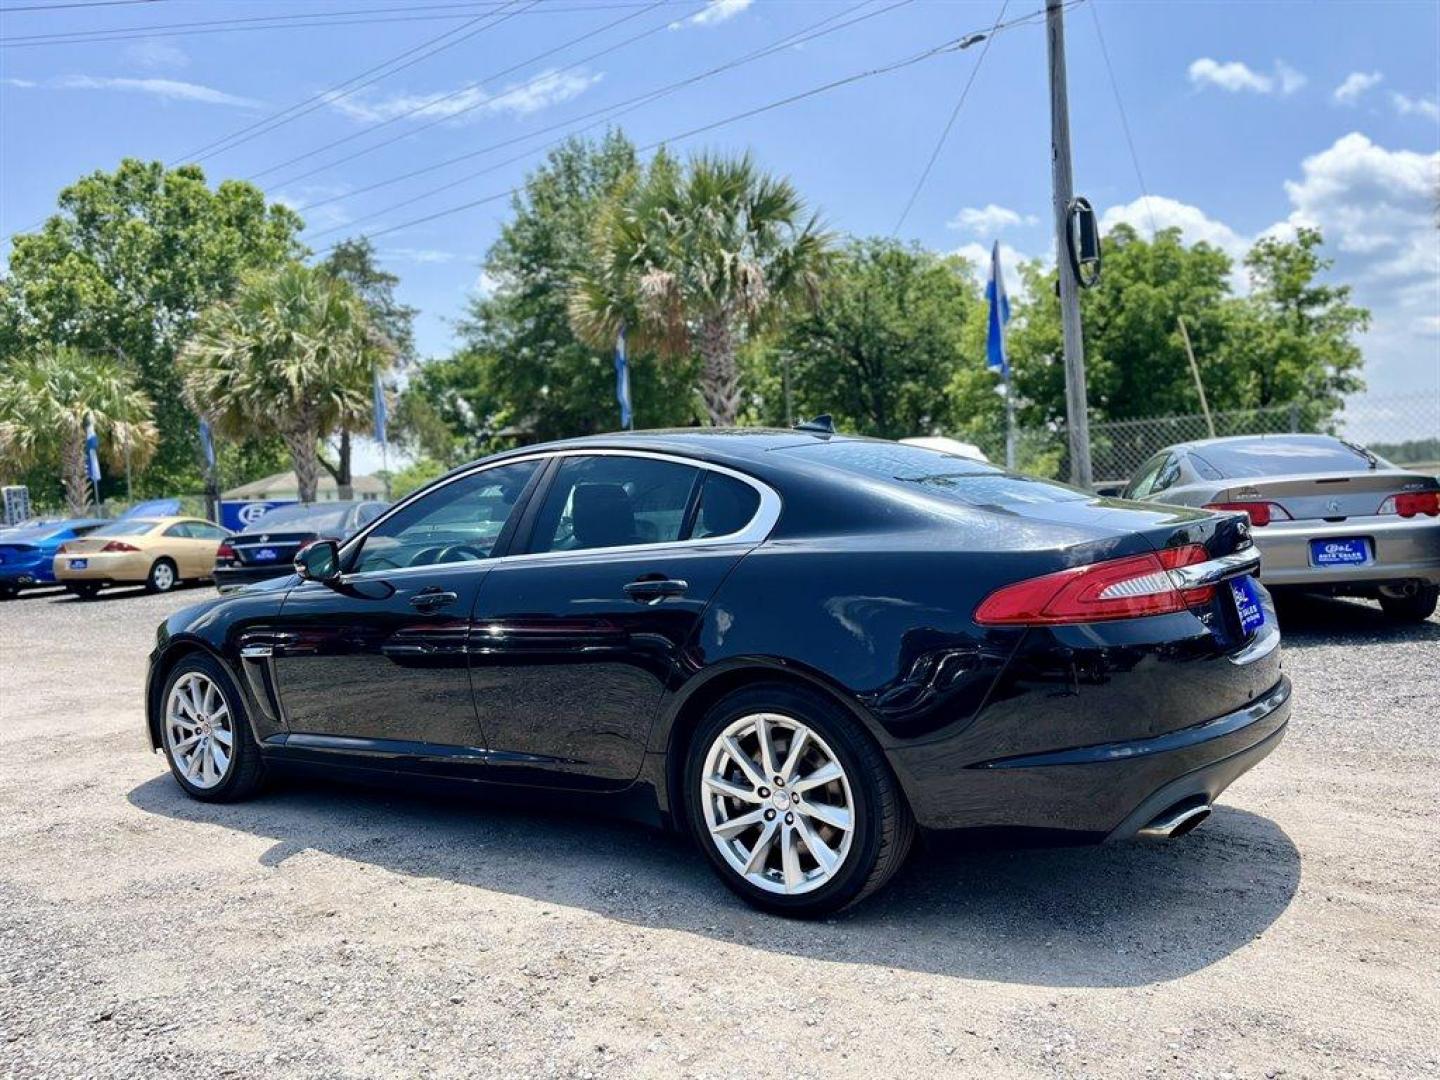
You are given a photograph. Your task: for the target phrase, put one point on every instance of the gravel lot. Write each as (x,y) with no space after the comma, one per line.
(350,933)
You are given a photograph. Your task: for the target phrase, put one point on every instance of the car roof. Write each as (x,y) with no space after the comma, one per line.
(1274,437)
(718,445)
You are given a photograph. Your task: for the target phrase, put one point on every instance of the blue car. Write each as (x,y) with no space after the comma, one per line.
(27,551)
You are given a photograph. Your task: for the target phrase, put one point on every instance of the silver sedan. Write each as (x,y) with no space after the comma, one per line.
(1328,516)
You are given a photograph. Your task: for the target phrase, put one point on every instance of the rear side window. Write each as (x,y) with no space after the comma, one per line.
(962,480)
(613,501)
(1281,456)
(726,506)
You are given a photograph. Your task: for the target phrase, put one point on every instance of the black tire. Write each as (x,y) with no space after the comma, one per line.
(163,576)
(85,590)
(8,592)
(246,768)
(1415,608)
(884,827)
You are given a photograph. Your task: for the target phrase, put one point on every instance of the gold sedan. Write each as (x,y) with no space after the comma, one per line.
(156,552)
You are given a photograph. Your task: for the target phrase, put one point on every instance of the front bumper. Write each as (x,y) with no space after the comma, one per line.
(1401,549)
(104,566)
(1091,793)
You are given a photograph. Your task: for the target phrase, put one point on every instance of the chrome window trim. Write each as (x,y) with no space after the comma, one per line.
(756,531)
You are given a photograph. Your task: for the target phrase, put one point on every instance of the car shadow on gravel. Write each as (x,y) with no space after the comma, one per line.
(1307,620)
(1118,915)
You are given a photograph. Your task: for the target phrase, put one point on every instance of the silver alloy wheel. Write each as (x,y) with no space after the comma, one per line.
(162,575)
(198,730)
(777,803)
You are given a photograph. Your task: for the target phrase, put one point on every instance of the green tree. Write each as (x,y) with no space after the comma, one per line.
(353,262)
(520,369)
(291,355)
(47,399)
(695,260)
(124,267)
(889,348)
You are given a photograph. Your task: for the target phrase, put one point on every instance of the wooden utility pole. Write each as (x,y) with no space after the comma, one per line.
(1195,374)
(1077,421)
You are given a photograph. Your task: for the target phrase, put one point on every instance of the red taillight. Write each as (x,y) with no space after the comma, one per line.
(1261,513)
(225,551)
(1115,589)
(119,546)
(63,549)
(1409,503)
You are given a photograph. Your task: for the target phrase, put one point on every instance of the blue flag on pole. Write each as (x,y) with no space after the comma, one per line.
(622,381)
(207,443)
(92,451)
(999,315)
(381,415)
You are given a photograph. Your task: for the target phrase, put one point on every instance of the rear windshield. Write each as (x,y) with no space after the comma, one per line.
(30,534)
(310,517)
(1277,457)
(132,527)
(962,480)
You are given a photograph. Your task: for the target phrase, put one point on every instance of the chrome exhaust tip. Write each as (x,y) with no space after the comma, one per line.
(1176,822)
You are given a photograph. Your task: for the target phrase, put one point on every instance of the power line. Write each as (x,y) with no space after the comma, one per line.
(426,106)
(950,123)
(75,4)
(926,54)
(369,77)
(1124,120)
(309,20)
(606,113)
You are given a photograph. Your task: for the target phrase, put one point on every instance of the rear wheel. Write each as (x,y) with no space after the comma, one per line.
(793,805)
(9,592)
(1416,607)
(85,590)
(206,735)
(162,576)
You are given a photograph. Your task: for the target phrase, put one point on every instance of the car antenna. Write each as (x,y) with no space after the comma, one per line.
(824,424)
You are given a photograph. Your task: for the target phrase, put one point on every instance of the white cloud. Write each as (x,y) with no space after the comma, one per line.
(1235,77)
(168,89)
(153,54)
(1408,106)
(419,255)
(978,256)
(989,219)
(1354,87)
(24,84)
(1194,224)
(519,99)
(714,12)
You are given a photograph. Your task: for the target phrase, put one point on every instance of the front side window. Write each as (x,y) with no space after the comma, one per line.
(458,522)
(614,501)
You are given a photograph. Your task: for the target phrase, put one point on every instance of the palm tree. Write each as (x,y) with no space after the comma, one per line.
(45,402)
(696,259)
(293,355)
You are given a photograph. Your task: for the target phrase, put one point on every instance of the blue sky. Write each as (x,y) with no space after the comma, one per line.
(1247,117)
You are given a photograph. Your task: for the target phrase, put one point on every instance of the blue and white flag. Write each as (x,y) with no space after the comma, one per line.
(381,415)
(622,381)
(207,443)
(92,451)
(999,315)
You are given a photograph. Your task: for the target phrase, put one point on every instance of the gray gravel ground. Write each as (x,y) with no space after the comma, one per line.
(347,933)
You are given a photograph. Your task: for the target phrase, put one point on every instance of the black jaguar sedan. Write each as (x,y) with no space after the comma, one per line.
(798,647)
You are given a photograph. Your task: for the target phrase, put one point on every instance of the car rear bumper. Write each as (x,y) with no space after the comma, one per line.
(230,577)
(104,566)
(1100,792)
(24,575)
(1401,550)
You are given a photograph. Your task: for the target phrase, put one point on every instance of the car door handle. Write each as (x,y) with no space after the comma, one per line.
(432,598)
(649,590)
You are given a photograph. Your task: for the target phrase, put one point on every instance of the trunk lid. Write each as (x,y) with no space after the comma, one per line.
(269,548)
(1332,497)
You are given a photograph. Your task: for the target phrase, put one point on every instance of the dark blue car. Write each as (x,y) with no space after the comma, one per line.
(27,551)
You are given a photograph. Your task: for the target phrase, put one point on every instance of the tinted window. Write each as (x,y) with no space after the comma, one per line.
(963,480)
(598,502)
(303,517)
(726,506)
(1278,456)
(369,512)
(458,522)
(180,529)
(1168,474)
(203,530)
(1145,480)
(125,528)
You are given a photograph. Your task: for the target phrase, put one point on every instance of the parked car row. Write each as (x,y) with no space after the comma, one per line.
(160,552)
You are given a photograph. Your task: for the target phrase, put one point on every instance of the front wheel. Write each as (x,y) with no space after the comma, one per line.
(792,803)
(205,733)
(162,577)
(1414,608)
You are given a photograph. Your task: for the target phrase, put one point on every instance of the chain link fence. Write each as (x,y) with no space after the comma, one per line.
(1404,429)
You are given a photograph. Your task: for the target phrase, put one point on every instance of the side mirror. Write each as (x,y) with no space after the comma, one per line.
(318,560)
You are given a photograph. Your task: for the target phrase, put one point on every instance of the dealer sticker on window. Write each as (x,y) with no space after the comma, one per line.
(1247,605)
